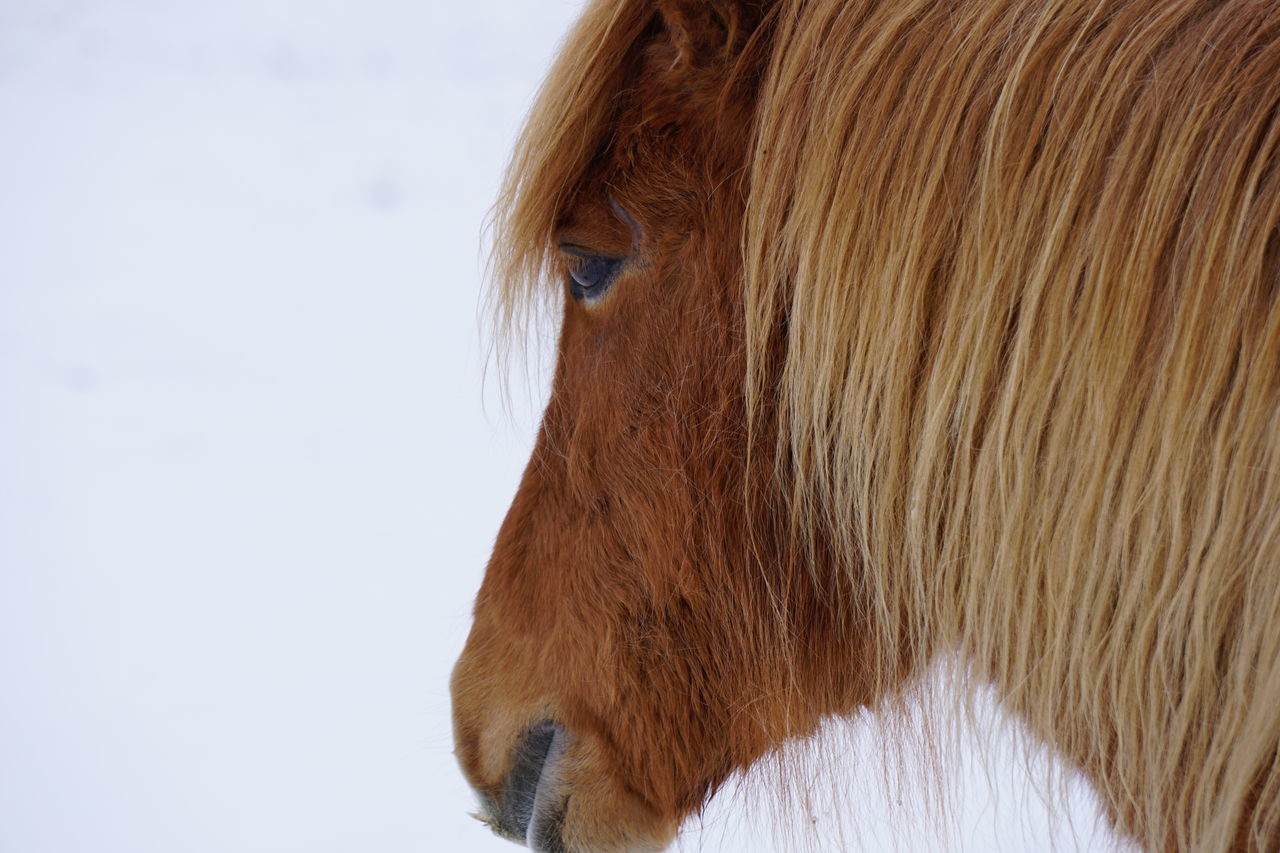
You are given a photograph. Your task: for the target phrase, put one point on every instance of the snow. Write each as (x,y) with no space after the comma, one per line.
(249,475)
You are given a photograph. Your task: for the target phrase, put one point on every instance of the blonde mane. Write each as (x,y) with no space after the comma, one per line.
(1024,254)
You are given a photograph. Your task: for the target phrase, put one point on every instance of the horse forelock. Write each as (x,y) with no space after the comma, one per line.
(1022,261)
(572,131)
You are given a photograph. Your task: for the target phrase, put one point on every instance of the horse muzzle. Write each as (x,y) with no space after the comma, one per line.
(545,772)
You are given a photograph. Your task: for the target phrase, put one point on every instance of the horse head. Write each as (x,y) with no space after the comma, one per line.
(645,626)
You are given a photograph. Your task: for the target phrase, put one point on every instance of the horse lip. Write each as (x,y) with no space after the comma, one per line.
(530,808)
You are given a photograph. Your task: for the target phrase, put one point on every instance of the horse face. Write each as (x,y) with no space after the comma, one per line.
(643,630)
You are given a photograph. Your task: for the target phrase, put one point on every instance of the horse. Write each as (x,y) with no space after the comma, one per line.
(891,332)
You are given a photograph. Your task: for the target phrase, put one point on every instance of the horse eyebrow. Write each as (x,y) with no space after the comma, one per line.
(578,250)
(636,232)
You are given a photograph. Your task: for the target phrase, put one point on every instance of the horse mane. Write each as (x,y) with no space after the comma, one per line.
(1025,258)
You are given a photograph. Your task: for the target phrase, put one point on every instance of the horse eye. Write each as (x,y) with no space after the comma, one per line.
(591,275)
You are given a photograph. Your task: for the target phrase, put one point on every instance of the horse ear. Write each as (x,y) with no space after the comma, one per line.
(703,31)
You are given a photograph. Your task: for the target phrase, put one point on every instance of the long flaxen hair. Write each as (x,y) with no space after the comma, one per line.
(1009,281)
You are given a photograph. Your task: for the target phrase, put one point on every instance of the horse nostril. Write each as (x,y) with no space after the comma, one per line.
(522,782)
(528,807)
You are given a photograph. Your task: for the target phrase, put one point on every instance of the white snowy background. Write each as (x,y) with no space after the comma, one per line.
(248,474)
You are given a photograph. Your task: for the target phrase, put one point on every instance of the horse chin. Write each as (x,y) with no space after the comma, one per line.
(550,802)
